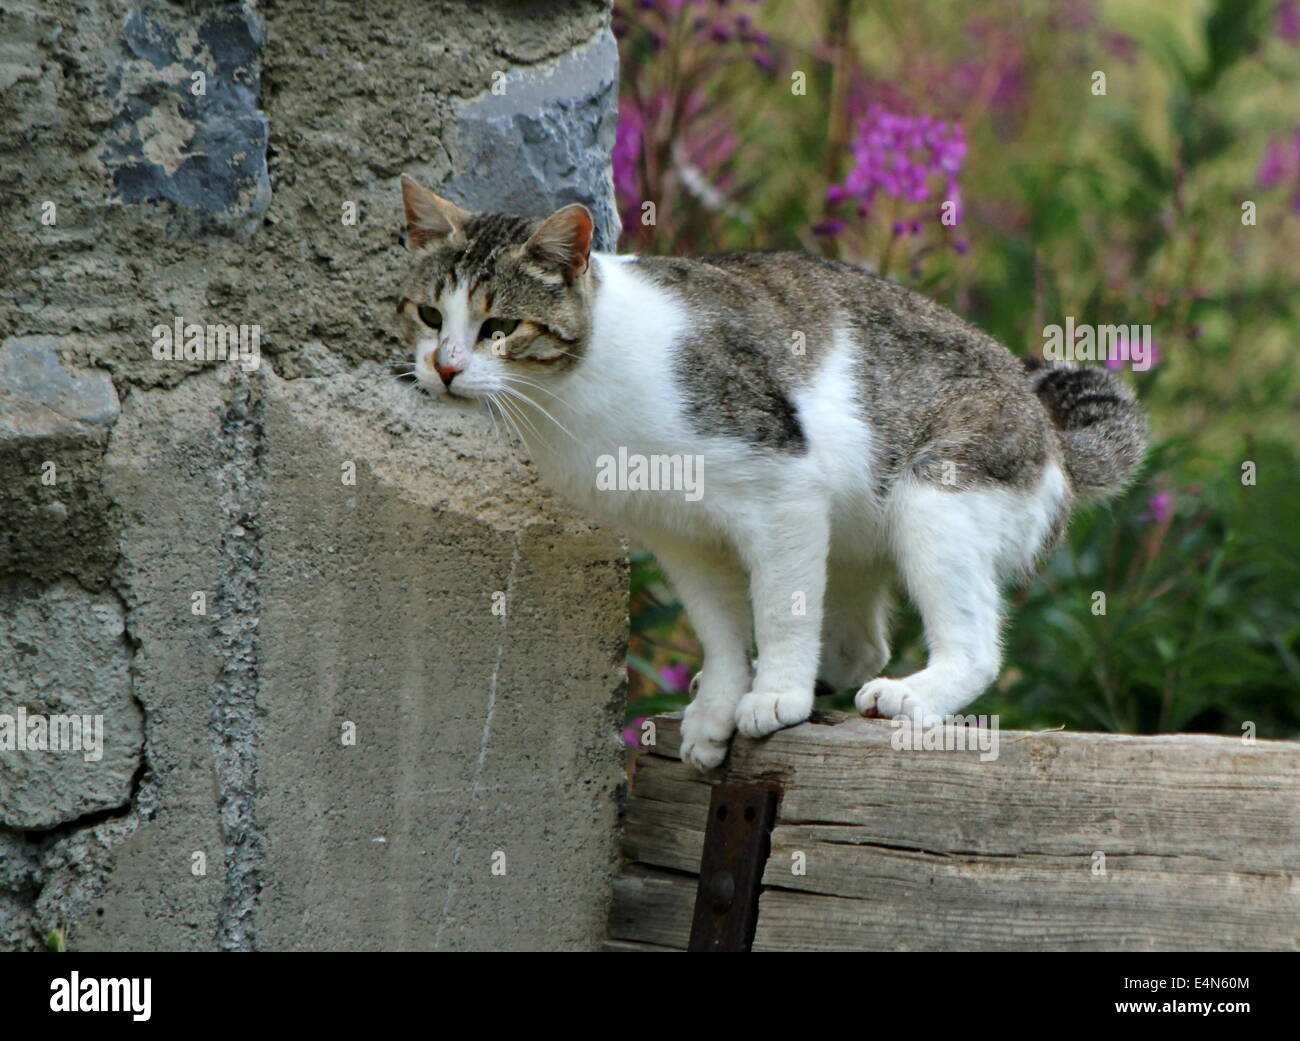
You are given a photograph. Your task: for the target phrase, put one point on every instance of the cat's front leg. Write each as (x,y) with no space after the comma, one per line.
(711,583)
(785,551)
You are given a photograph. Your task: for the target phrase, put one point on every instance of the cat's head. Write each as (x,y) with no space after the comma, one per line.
(493,299)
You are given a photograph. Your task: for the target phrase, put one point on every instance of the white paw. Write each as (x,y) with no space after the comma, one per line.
(761,713)
(707,726)
(888,699)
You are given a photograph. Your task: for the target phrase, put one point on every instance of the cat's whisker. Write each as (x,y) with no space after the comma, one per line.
(528,420)
(505,420)
(509,413)
(540,408)
(523,381)
(493,408)
(522,416)
(492,416)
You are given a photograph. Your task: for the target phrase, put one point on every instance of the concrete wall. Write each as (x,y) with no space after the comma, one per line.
(347,539)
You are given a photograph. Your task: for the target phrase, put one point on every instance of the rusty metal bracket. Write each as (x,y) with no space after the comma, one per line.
(737,840)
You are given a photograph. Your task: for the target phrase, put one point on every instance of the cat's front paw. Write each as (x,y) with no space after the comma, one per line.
(884,698)
(761,712)
(707,727)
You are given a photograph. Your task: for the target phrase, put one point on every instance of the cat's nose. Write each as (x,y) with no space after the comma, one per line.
(445,372)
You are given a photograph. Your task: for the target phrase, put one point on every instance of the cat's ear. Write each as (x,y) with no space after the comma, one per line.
(429,217)
(563,241)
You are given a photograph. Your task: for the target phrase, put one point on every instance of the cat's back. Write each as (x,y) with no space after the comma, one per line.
(876,307)
(790,306)
(767,330)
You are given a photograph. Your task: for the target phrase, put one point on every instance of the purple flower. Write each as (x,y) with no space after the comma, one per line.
(901,156)
(1077,14)
(1272,168)
(632,733)
(1159,508)
(913,159)
(626,160)
(1281,162)
(1121,355)
(1001,67)
(675,678)
(1010,84)
(1121,46)
(1286,20)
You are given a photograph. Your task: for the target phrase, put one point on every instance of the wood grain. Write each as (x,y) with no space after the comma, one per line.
(1064,842)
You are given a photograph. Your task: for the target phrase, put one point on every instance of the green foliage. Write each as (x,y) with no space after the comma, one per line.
(1198,626)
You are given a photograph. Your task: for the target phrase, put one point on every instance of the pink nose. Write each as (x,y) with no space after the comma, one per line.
(445,372)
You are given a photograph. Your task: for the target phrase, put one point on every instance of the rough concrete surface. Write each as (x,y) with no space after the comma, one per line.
(277,586)
(53,426)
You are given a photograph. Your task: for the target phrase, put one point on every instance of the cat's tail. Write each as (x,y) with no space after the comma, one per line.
(1101,426)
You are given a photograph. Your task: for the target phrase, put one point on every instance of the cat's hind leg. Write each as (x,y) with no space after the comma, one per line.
(855,624)
(952,548)
(713,588)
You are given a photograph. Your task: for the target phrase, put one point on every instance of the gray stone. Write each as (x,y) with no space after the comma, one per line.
(198,144)
(20,884)
(54,517)
(40,399)
(63,655)
(544,140)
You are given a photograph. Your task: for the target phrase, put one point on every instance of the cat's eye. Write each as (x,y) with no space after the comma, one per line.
(430,316)
(498,328)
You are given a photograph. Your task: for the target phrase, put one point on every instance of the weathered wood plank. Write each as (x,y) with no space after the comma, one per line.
(884,848)
(662,835)
(653,907)
(631,947)
(666,813)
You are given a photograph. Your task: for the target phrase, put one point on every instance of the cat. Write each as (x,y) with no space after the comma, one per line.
(853,438)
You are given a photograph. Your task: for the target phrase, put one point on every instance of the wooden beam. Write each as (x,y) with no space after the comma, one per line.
(1064,842)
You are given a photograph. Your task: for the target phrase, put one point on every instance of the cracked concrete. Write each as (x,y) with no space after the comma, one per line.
(235,628)
(240,570)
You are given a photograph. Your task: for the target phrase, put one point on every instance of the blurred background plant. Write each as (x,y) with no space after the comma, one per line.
(974,153)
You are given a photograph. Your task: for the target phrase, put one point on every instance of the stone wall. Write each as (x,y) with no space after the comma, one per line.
(276,586)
